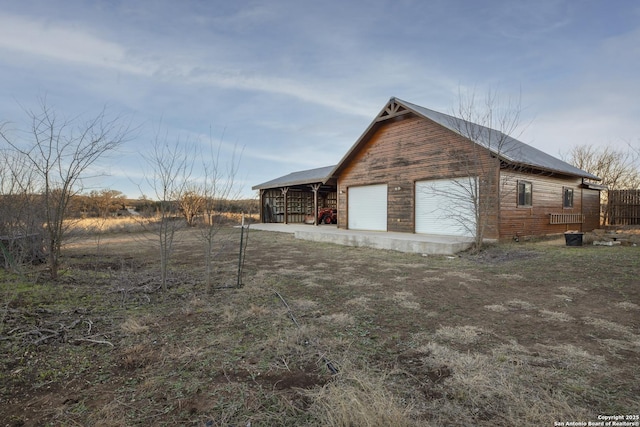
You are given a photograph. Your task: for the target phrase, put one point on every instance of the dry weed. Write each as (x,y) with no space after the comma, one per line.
(150,384)
(133,326)
(616,346)
(311,283)
(229,315)
(610,326)
(520,305)
(572,290)
(431,279)
(403,299)
(463,275)
(412,305)
(459,334)
(112,414)
(510,276)
(501,387)
(570,357)
(256,310)
(128,224)
(183,354)
(358,398)
(360,301)
(343,319)
(303,304)
(138,356)
(627,305)
(498,308)
(295,341)
(554,316)
(197,302)
(361,282)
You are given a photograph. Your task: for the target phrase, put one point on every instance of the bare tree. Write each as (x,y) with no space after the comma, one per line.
(60,152)
(21,222)
(171,167)
(106,201)
(492,125)
(191,204)
(218,188)
(618,169)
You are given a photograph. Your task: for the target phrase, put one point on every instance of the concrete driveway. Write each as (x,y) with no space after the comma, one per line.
(403,242)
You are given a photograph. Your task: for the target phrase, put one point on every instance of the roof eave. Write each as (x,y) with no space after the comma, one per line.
(546,169)
(294,180)
(580,174)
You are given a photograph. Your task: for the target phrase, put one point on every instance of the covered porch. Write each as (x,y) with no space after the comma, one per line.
(297,197)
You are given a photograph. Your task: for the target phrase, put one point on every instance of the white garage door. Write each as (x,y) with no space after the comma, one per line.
(368,207)
(445,207)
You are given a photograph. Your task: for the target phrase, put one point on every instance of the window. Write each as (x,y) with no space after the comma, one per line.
(567,198)
(524,193)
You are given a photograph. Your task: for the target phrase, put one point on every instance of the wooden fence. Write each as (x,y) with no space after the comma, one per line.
(624,207)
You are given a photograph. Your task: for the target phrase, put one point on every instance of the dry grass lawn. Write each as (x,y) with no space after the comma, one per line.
(320,335)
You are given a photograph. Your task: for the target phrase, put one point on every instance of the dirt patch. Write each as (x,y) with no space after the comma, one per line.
(285,379)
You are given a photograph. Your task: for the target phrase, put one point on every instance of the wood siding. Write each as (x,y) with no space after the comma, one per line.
(547,199)
(591,209)
(409,149)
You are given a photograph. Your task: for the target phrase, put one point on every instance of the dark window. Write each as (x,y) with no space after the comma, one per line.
(567,198)
(524,193)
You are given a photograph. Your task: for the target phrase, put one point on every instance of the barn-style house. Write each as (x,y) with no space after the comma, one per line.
(416,170)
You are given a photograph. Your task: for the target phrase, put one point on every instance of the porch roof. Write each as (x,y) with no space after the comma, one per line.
(306,177)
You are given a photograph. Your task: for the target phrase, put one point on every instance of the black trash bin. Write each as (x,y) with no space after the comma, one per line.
(573,238)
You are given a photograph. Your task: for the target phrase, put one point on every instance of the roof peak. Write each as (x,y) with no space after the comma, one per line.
(501,144)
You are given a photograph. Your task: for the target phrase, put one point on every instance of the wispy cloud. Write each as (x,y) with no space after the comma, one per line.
(296,83)
(59,43)
(78,47)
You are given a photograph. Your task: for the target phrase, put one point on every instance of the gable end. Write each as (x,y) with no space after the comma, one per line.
(391,110)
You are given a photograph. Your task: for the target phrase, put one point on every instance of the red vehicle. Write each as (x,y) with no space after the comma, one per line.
(327,216)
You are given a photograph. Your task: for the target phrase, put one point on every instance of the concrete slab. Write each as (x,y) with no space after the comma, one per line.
(402,242)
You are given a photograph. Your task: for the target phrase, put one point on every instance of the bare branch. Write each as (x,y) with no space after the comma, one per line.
(60,153)
(491,126)
(171,167)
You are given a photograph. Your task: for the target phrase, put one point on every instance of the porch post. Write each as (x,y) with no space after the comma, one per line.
(262,206)
(315,188)
(285,190)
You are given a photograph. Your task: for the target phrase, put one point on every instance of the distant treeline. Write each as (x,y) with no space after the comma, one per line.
(248,206)
(92,205)
(108,203)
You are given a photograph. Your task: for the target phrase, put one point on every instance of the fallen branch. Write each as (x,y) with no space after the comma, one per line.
(46,337)
(288,309)
(72,325)
(330,366)
(93,341)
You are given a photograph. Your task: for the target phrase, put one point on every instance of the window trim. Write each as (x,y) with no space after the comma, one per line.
(518,193)
(565,190)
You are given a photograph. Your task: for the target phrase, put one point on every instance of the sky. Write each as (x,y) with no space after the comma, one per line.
(286,85)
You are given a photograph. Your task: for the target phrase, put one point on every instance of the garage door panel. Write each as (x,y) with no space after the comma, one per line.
(445,207)
(368,207)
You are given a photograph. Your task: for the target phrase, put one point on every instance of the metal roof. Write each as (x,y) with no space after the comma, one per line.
(298,178)
(503,146)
